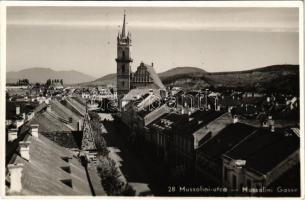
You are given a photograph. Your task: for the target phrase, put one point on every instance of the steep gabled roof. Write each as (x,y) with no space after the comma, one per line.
(154,78)
(157,81)
(49,123)
(44,174)
(63,111)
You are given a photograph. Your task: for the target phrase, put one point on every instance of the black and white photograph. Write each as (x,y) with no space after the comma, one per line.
(175,100)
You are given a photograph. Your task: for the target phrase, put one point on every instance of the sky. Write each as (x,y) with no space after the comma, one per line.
(214,39)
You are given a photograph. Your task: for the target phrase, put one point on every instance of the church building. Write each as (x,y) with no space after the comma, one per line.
(145,75)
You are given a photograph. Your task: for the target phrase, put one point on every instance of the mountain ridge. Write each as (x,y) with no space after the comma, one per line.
(39,74)
(280,78)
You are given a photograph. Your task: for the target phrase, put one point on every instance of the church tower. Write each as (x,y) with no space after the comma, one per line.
(123,62)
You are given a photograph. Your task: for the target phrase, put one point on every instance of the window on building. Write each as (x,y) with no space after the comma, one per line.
(234,181)
(66,169)
(66,159)
(123,68)
(67,182)
(123,83)
(123,54)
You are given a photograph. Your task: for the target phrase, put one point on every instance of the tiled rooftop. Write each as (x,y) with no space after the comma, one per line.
(48,123)
(153,106)
(225,140)
(43,174)
(81,108)
(264,149)
(63,111)
(138,92)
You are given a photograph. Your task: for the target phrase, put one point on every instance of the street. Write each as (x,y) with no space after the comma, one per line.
(136,170)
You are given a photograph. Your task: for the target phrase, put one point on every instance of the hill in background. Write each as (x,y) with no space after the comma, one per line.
(109,79)
(277,78)
(42,74)
(280,78)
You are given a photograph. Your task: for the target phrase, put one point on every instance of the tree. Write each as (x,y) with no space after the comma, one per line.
(110,176)
(48,83)
(100,142)
(26,81)
(37,85)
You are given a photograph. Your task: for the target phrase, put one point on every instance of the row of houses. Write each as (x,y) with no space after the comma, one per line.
(217,145)
(44,153)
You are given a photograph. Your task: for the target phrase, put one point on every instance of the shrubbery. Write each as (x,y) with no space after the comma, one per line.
(110,175)
(113,180)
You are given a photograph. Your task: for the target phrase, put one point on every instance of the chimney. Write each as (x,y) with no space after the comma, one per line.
(25,150)
(152,64)
(12,134)
(268,99)
(235,119)
(272,128)
(34,130)
(151,92)
(15,171)
(70,120)
(17,110)
(31,115)
(229,109)
(49,108)
(80,125)
(265,124)
(19,122)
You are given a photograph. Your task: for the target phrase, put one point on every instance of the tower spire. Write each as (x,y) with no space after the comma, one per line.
(123,29)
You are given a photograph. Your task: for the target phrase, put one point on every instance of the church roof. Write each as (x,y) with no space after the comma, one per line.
(156,81)
(123,29)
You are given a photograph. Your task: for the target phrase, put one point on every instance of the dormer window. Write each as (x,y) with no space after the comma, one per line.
(66,169)
(66,159)
(67,182)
